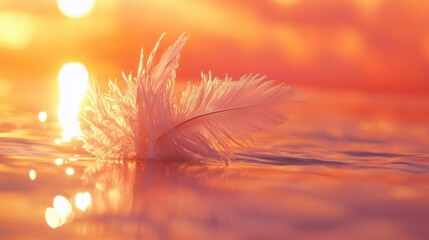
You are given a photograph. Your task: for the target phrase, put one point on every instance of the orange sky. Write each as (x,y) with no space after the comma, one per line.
(366,45)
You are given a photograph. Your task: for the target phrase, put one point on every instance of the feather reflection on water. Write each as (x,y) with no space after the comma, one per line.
(159,194)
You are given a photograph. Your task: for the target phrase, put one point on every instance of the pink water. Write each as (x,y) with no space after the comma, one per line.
(342,167)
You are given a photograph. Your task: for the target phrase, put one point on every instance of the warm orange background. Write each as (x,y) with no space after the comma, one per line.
(362,64)
(377,46)
(344,56)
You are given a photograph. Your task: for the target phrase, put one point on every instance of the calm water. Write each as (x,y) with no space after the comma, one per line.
(356,170)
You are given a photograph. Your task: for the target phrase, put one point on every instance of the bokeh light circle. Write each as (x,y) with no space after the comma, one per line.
(75,8)
(42,116)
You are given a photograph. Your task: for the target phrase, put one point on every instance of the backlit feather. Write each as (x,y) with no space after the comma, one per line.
(207,122)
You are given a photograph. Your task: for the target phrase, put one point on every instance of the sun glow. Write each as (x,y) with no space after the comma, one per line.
(75,8)
(73,79)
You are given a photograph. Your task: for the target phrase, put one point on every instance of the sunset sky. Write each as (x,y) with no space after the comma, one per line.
(377,46)
(351,162)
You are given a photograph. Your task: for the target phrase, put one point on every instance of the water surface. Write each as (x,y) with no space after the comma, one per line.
(341,168)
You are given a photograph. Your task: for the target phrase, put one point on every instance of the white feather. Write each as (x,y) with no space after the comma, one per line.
(208,122)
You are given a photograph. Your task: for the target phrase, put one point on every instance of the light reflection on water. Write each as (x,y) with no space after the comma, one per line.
(73,80)
(83,200)
(307,180)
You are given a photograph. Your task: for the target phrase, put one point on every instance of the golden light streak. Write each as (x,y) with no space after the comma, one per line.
(73,79)
(75,8)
